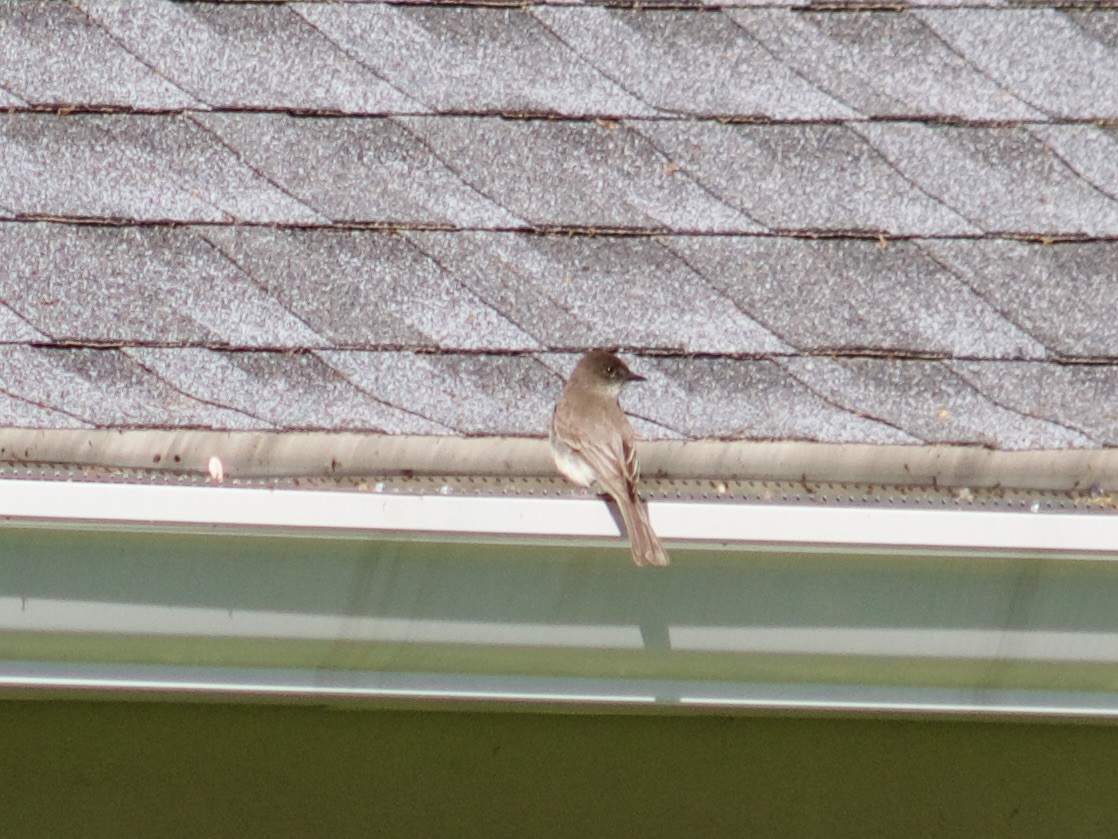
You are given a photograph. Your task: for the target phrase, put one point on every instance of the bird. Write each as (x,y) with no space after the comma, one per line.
(593,445)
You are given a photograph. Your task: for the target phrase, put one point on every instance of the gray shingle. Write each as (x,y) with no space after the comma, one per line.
(19,413)
(471,394)
(475,295)
(357,169)
(14,328)
(845,294)
(689,63)
(881,64)
(1003,179)
(365,289)
(280,390)
(9,100)
(927,400)
(133,167)
(575,173)
(152,284)
(700,5)
(1089,151)
(804,177)
(744,399)
(1098,24)
(52,54)
(1065,295)
(258,287)
(465,171)
(384,58)
(1079,396)
(1007,405)
(105,388)
(1039,55)
(583,292)
(246,56)
(472,59)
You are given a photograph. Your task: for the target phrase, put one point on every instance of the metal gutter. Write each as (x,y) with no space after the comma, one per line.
(399,586)
(723,525)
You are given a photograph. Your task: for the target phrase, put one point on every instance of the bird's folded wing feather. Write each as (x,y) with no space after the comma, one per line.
(611,455)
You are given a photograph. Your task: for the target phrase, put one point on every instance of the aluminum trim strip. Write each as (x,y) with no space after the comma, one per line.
(711,524)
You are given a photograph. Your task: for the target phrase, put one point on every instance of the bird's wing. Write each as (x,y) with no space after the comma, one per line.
(629,447)
(612,456)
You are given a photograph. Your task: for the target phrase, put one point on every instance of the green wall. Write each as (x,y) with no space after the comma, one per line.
(100,769)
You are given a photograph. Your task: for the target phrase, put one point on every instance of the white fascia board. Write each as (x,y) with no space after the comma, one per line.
(711,523)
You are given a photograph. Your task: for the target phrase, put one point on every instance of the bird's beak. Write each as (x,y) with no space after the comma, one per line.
(635,377)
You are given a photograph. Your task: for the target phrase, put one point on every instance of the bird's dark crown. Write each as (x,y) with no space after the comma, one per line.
(605,366)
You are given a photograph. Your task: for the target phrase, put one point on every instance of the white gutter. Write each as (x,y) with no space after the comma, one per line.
(1031,624)
(711,524)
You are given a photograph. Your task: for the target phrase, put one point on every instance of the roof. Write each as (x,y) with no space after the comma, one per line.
(846,226)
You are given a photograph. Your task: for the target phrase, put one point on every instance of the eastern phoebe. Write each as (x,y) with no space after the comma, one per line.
(593,445)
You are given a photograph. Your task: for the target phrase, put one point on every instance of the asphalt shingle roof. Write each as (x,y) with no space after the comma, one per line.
(850,226)
(899,178)
(571,60)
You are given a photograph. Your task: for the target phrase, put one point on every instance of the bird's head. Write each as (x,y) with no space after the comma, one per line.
(599,368)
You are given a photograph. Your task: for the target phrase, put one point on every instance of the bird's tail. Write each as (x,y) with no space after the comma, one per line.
(643,540)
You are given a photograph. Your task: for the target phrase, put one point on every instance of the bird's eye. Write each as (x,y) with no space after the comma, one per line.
(611,370)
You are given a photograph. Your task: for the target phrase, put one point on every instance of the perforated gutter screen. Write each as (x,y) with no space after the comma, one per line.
(401,589)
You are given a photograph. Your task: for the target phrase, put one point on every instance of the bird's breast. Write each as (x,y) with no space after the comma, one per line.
(571,464)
